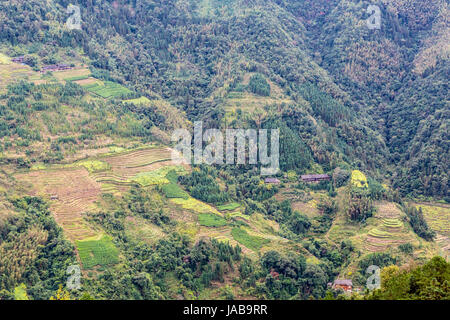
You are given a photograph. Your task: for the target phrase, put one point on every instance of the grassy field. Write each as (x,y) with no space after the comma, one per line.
(97,252)
(173,190)
(140,230)
(137,101)
(229,206)
(252,242)
(211,220)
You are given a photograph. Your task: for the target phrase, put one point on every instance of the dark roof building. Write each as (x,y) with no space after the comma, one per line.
(55,67)
(272,180)
(315,177)
(20,59)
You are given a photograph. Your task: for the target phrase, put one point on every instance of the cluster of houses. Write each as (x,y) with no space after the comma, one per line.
(20,59)
(48,68)
(55,67)
(304,178)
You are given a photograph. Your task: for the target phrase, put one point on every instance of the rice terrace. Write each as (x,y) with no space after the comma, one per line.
(224,150)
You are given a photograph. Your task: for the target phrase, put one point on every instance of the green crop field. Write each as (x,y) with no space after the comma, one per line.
(211,220)
(155,177)
(229,206)
(252,242)
(97,252)
(77,78)
(172,190)
(108,89)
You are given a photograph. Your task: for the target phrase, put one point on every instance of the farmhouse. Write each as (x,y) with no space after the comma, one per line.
(315,177)
(346,285)
(272,181)
(55,67)
(20,59)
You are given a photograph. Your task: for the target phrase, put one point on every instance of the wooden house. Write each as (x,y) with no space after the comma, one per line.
(345,284)
(272,181)
(315,177)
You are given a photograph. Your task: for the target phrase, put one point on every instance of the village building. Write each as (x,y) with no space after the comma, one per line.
(20,59)
(55,67)
(315,177)
(272,181)
(345,284)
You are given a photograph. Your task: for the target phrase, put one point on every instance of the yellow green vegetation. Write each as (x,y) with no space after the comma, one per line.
(115,149)
(4,59)
(137,101)
(20,292)
(359,179)
(195,205)
(156,177)
(93,165)
(97,252)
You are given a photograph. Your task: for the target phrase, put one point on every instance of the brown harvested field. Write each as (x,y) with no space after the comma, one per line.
(306,208)
(88,81)
(76,193)
(77,190)
(388,210)
(76,72)
(129,164)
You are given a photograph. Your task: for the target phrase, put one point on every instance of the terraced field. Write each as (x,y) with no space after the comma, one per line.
(107,89)
(77,186)
(10,72)
(389,230)
(75,192)
(438,218)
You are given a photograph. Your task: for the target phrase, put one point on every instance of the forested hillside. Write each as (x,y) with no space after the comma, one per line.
(196,53)
(86,117)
